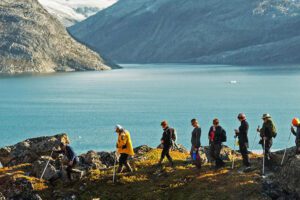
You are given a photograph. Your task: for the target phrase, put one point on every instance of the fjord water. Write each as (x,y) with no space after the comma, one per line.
(87,105)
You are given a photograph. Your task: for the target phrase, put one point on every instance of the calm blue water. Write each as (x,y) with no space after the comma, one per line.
(87,105)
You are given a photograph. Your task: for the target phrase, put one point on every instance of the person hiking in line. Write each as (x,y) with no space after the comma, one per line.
(216,136)
(267,133)
(196,143)
(124,148)
(73,160)
(242,134)
(296,123)
(167,141)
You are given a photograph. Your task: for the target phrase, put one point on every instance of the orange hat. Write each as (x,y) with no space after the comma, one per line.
(295,121)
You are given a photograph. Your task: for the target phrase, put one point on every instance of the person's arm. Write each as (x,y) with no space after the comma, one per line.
(293,131)
(199,137)
(123,142)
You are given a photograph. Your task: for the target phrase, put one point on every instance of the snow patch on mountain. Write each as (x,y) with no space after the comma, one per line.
(70,12)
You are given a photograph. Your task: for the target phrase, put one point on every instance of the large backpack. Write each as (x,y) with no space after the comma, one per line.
(223,135)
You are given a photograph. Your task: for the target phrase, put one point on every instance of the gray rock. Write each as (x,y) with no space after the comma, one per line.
(107,158)
(33,41)
(91,160)
(30,150)
(177,147)
(2,197)
(39,166)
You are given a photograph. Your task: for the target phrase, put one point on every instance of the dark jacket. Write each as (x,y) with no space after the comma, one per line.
(196,135)
(167,137)
(297,134)
(217,134)
(69,152)
(243,132)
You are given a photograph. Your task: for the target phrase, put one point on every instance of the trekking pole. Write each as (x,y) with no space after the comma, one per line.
(286,148)
(253,145)
(233,159)
(114,171)
(47,164)
(264,158)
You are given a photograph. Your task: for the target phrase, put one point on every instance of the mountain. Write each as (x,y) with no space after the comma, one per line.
(31,40)
(215,31)
(70,12)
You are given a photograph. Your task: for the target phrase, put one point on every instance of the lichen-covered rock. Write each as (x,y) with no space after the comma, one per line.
(19,189)
(34,41)
(2,197)
(30,150)
(288,175)
(39,166)
(91,160)
(107,158)
(177,147)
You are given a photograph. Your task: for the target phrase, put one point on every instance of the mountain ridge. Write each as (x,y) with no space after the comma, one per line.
(175,31)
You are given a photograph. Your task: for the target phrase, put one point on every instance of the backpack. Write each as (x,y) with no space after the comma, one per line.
(223,136)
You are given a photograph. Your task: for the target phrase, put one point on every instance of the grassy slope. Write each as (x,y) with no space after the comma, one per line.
(149,182)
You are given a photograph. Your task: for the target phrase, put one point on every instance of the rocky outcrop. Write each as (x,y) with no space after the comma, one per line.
(30,150)
(177,147)
(19,188)
(287,176)
(39,166)
(33,41)
(92,160)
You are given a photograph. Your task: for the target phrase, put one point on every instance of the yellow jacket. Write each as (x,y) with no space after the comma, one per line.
(124,143)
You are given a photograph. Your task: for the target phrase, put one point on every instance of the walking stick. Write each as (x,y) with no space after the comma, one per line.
(47,164)
(286,149)
(114,171)
(235,141)
(264,151)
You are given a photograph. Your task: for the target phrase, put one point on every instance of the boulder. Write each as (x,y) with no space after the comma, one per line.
(226,154)
(39,166)
(19,188)
(107,158)
(91,160)
(2,197)
(288,175)
(177,147)
(140,150)
(30,150)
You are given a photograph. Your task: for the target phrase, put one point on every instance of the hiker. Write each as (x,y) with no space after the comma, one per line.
(196,143)
(73,160)
(296,123)
(242,134)
(167,140)
(267,133)
(216,136)
(124,148)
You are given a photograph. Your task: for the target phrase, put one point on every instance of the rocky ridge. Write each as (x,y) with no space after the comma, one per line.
(33,41)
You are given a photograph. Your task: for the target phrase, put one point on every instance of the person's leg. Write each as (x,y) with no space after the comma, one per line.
(122,161)
(127,165)
(298,147)
(168,156)
(163,155)
(69,172)
(212,152)
(219,161)
(244,152)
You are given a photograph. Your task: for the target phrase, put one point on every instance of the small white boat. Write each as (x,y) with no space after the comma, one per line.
(233,82)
